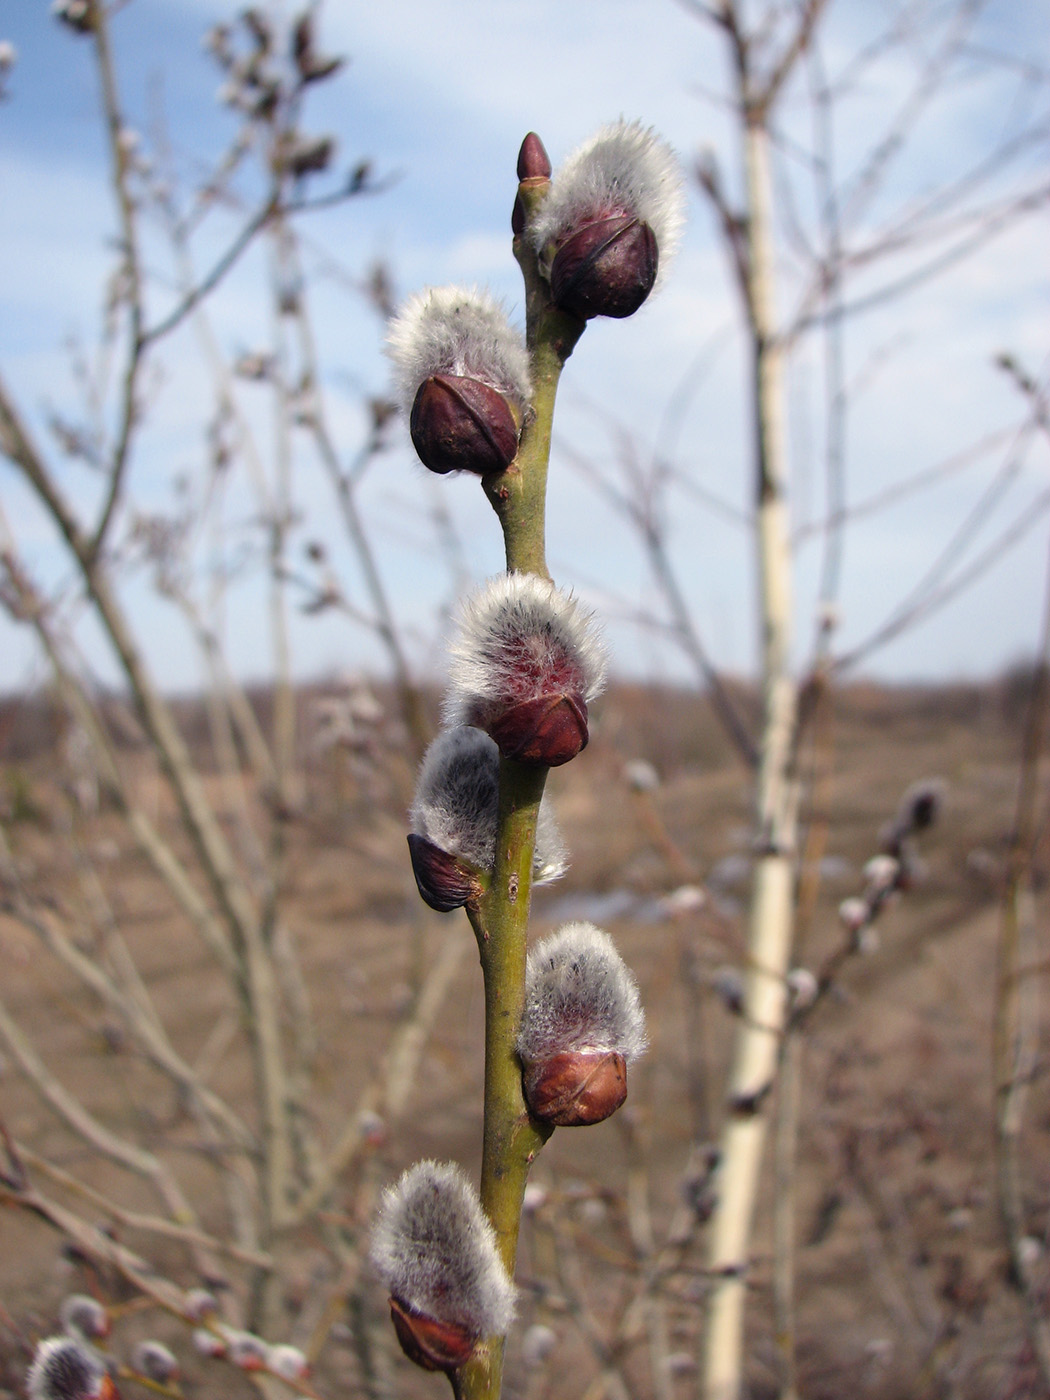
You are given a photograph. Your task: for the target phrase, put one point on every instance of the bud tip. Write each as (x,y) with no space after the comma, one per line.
(533,161)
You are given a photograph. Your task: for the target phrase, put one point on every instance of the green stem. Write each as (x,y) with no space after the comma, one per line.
(511,1136)
(519,494)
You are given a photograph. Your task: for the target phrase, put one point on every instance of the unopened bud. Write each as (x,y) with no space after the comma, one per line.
(463,379)
(66,1369)
(454,818)
(289,1363)
(313,67)
(577,1087)
(582,1023)
(535,1198)
(613,214)
(918,810)
(461,424)
(526,664)
(155,1361)
(435,1251)
(641,776)
(922,803)
(802,988)
(854,913)
(79,15)
(728,986)
(1029,1251)
(84,1316)
(208,1343)
(306,155)
(533,160)
(686,899)
(246,1350)
(882,872)
(201,1304)
(537,1344)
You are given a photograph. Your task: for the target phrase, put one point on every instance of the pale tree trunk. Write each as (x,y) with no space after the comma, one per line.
(772,900)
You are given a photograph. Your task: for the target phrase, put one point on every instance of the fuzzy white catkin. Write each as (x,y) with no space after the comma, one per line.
(155,1361)
(623,167)
(580,995)
(64,1369)
(511,614)
(457,330)
(83,1316)
(289,1362)
(436,1252)
(456,804)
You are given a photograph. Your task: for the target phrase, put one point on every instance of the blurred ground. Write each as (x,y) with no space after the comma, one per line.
(902,1281)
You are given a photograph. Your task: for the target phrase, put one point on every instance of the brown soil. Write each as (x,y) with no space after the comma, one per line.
(903,1285)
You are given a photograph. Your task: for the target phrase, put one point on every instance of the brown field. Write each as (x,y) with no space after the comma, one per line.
(903,1285)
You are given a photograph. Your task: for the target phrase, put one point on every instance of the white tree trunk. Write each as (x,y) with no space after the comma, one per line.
(772,900)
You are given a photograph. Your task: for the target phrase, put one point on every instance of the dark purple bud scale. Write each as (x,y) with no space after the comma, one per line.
(550,729)
(443,882)
(606,267)
(533,160)
(462,424)
(434,1345)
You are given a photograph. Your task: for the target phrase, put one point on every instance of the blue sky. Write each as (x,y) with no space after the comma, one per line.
(438,96)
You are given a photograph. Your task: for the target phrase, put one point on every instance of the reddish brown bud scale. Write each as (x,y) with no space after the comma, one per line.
(576,1088)
(548,730)
(462,424)
(434,1345)
(443,882)
(606,267)
(533,160)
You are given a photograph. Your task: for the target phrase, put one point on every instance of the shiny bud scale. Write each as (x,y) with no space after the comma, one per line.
(461,424)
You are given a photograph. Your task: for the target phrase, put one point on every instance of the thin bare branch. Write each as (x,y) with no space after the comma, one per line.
(120,160)
(222,265)
(147,1224)
(793,51)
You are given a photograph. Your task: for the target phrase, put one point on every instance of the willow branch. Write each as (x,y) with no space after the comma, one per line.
(146,1224)
(217,861)
(119,157)
(224,264)
(388,1094)
(145,1027)
(33,608)
(83,1123)
(500,922)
